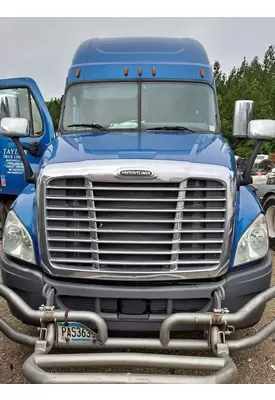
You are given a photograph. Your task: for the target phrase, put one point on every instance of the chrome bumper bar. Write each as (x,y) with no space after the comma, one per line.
(219,324)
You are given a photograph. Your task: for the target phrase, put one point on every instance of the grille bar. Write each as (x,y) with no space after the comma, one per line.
(136,188)
(168,263)
(136,230)
(136,199)
(132,209)
(63,239)
(72,250)
(135,221)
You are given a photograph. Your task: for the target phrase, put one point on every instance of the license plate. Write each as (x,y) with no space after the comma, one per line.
(74,332)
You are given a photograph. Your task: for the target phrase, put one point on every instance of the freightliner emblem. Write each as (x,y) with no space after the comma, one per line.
(138,173)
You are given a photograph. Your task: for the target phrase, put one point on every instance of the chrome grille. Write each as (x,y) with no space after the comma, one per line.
(127,226)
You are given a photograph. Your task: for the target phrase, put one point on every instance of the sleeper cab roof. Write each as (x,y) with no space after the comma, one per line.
(106,58)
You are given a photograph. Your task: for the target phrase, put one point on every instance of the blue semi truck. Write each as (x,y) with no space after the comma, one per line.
(131,220)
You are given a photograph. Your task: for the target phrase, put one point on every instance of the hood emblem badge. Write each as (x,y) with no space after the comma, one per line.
(135,173)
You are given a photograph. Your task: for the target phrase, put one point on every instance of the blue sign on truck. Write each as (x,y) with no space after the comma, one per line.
(133,216)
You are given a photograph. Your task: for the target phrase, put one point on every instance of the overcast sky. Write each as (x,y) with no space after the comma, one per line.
(42,48)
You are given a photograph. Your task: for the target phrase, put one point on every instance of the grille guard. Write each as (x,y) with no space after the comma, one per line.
(219,324)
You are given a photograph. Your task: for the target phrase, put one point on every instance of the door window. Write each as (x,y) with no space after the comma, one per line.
(19,103)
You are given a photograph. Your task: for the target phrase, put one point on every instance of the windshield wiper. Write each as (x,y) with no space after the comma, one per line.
(93,125)
(171,128)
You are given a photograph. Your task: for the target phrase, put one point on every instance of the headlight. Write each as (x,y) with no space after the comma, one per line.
(16,239)
(254,242)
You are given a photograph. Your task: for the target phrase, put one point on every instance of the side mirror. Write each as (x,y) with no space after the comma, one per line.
(243,114)
(14,127)
(261,129)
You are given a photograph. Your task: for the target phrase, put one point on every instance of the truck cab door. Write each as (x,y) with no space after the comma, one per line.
(21,97)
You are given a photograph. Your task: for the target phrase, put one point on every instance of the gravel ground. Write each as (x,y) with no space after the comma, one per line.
(256,365)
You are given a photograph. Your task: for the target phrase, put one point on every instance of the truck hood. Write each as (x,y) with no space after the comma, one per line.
(202,148)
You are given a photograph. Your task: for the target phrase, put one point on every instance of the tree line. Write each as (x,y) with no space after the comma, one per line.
(253,80)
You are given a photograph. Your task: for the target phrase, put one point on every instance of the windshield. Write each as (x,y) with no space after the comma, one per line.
(144,105)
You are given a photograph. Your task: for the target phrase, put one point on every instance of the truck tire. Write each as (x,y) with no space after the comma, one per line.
(266,165)
(2,218)
(269,210)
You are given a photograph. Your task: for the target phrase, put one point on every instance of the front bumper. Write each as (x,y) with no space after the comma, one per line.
(218,325)
(145,307)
